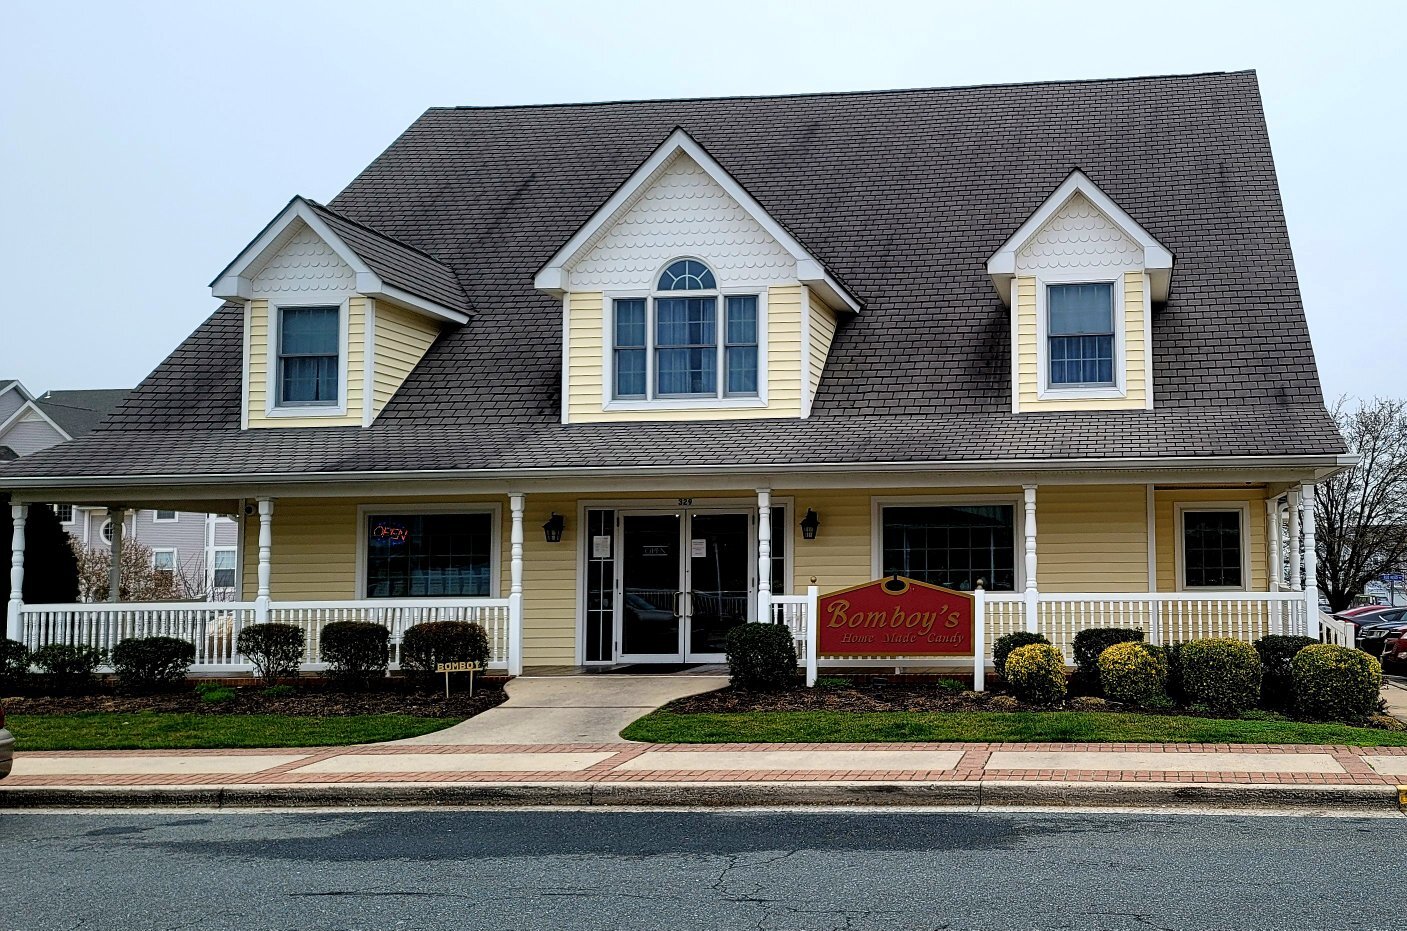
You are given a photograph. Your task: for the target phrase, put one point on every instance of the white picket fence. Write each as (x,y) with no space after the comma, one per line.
(214,628)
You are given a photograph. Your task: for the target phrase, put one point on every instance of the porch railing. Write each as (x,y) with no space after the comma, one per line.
(214,628)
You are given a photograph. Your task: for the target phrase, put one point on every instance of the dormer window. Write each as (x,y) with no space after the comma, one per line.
(687,341)
(309,356)
(1080,334)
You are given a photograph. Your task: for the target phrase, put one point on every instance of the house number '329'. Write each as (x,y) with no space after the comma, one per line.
(685,502)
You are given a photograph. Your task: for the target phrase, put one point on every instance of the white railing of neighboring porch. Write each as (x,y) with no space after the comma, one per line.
(214,628)
(1332,630)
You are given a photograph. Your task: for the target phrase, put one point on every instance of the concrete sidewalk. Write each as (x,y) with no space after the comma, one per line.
(730,774)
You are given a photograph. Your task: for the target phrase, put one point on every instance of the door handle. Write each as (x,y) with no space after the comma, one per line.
(678,603)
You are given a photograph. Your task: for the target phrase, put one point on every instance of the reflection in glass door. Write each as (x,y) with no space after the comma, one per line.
(651,589)
(720,548)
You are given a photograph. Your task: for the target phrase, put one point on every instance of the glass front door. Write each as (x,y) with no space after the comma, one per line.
(686,580)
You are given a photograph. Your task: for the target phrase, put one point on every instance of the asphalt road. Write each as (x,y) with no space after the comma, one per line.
(681,871)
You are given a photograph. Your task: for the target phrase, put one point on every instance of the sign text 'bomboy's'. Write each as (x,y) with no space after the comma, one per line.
(895,617)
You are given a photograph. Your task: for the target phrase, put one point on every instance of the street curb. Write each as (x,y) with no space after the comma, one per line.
(971,794)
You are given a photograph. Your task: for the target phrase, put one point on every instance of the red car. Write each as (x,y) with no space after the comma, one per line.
(1361,609)
(1395,650)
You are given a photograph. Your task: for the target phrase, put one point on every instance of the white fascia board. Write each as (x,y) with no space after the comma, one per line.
(1157,259)
(395,295)
(554,276)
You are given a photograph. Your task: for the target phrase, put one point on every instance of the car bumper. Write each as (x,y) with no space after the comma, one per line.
(7,752)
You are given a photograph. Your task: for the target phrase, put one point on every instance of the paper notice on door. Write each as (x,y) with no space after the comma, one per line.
(698,549)
(601,547)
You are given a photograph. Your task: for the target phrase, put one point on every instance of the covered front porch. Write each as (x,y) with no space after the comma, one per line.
(598,577)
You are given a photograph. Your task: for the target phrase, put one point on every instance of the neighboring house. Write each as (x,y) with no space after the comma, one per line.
(201,546)
(613,378)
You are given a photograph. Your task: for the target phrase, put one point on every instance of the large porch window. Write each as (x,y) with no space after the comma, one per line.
(418,555)
(951,545)
(1212,552)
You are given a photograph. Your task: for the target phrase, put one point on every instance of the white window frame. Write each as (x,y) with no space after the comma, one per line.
(879,502)
(720,400)
(277,305)
(156,517)
(493,509)
(163,551)
(1180,509)
(214,567)
(72,514)
(1045,391)
(105,531)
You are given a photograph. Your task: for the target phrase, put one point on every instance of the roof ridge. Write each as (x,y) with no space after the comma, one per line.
(890,91)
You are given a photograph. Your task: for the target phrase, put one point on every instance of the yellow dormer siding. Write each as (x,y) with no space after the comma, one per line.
(400,340)
(1134,348)
(822,332)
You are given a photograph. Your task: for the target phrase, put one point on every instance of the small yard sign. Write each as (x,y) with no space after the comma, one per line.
(893,618)
(448,668)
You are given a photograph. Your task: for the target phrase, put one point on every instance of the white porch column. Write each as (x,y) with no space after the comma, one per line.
(266,562)
(1275,572)
(1311,563)
(117,520)
(13,629)
(515,591)
(1296,562)
(764,555)
(1032,595)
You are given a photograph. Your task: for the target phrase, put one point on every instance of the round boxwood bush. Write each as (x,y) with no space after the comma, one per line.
(355,651)
(762,657)
(67,668)
(150,664)
(274,649)
(1036,674)
(1008,642)
(1335,683)
(1223,674)
(1087,646)
(1277,687)
(426,645)
(1135,674)
(14,665)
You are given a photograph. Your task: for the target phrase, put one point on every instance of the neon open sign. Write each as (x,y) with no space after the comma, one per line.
(389,533)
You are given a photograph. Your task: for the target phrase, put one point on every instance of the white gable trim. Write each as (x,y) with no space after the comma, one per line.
(1157,260)
(236,282)
(553,276)
(29,407)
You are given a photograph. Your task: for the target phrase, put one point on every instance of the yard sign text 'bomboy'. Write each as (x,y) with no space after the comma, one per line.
(895,617)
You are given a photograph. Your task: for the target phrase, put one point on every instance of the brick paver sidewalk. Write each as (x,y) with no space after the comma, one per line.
(403,764)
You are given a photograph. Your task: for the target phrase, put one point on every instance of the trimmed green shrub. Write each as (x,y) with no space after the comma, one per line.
(149,664)
(274,649)
(1088,644)
(1036,674)
(1222,674)
(426,645)
(1277,687)
(355,651)
(67,669)
(1335,683)
(14,665)
(1135,674)
(1004,644)
(762,657)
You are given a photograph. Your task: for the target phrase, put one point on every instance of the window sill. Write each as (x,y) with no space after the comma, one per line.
(687,404)
(1066,394)
(312,410)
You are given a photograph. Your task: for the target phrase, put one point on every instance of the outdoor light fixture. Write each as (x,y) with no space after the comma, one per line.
(554,527)
(810,524)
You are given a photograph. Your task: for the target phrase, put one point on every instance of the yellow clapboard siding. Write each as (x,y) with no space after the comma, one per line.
(400,340)
(585,371)
(1091,538)
(823,325)
(1165,507)
(1027,351)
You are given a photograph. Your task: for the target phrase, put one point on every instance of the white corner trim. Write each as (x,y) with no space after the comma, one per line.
(1243,508)
(1157,259)
(244,367)
(567,354)
(553,276)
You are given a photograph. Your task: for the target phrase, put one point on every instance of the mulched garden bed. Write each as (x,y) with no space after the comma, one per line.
(304,700)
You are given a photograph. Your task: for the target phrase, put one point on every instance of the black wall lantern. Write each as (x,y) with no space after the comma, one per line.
(809,525)
(554,527)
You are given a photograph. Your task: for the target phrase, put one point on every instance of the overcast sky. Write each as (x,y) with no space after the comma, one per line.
(143,144)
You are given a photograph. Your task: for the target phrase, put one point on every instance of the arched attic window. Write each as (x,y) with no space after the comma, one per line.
(675,343)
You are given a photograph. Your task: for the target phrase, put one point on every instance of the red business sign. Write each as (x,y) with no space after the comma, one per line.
(895,617)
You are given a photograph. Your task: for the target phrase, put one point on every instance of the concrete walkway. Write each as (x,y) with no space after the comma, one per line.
(569,709)
(1395,694)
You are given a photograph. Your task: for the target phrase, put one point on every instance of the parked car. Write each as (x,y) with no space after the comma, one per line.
(1361,609)
(7,747)
(1379,615)
(1373,635)
(1395,650)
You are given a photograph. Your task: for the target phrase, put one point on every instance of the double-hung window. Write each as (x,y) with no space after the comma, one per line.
(685,341)
(1212,549)
(309,341)
(1080,335)
(223,571)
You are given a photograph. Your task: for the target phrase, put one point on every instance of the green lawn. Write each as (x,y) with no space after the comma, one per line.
(148,730)
(990,726)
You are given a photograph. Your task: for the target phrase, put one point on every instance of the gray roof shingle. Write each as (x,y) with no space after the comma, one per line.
(903,194)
